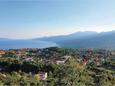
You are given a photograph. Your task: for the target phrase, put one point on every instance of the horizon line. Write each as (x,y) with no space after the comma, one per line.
(28,38)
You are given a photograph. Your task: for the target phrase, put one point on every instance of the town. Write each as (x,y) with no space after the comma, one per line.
(43,65)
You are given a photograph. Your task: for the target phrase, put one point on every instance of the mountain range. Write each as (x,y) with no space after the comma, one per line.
(87,39)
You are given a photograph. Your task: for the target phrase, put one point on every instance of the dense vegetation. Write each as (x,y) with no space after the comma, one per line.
(16,70)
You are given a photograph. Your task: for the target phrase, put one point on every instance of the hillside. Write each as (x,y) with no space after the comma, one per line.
(85,40)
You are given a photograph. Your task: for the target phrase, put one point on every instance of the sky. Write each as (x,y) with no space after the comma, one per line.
(23,19)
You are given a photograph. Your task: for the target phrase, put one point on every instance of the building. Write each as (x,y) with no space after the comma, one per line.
(42,75)
(29,59)
(60,61)
(85,62)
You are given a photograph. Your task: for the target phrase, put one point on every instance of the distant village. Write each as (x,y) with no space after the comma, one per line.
(54,56)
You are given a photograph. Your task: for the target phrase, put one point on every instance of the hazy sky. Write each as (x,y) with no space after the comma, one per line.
(36,18)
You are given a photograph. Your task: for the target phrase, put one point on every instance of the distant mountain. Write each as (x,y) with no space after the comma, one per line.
(16,44)
(85,40)
(76,40)
(63,38)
